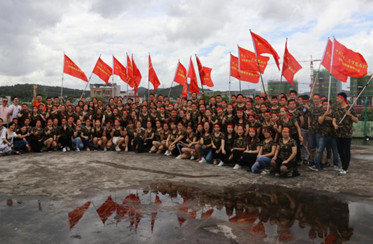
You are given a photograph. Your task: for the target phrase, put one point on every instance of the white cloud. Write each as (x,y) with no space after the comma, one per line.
(36,33)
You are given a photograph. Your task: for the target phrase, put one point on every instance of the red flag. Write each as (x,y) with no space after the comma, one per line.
(77,214)
(348,62)
(193,86)
(106,209)
(184,92)
(136,75)
(234,67)
(153,78)
(130,80)
(248,61)
(262,46)
(326,62)
(180,76)
(290,65)
(200,68)
(70,68)
(207,77)
(103,70)
(119,69)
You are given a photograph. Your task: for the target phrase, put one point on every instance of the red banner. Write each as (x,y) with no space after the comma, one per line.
(180,76)
(348,62)
(103,70)
(136,75)
(153,78)
(234,67)
(200,68)
(207,77)
(119,69)
(77,214)
(130,80)
(290,66)
(70,68)
(262,46)
(193,86)
(248,61)
(327,59)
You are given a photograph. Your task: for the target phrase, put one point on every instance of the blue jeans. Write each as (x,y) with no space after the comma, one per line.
(207,153)
(314,141)
(260,164)
(323,142)
(77,143)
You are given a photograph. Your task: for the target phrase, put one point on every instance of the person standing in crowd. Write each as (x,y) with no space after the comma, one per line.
(344,130)
(15,108)
(5,111)
(327,137)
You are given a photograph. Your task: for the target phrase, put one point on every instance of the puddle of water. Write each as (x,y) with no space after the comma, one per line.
(172,213)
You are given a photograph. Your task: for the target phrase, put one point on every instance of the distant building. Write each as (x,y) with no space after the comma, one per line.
(356,85)
(276,87)
(322,84)
(106,91)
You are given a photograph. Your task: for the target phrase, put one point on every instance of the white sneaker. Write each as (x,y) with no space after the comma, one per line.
(237,166)
(78,149)
(342,172)
(265,172)
(221,164)
(117,149)
(336,168)
(192,158)
(126,150)
(64,149)
(178,157)
(202,161)
(166,152)
(68,149)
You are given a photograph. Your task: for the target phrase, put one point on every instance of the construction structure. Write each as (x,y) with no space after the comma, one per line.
(105,91)
(356,85)
(276,87)
(321,85)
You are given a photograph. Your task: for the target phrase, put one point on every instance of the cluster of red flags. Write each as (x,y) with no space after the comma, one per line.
(249,65)
(342,62)
(181,77)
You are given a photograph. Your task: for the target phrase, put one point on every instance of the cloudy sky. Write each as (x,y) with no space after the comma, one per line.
(35,34)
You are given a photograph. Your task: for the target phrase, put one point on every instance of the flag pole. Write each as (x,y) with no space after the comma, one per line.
(318,71)
(203,91)
(63,67)
(89,80)
(148,76)
(357,98)
(239,68)
(169,92)
(112,79)
(330,75)
(230,74)
(260,72)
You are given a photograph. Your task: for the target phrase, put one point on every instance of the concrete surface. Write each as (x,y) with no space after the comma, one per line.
(69,174)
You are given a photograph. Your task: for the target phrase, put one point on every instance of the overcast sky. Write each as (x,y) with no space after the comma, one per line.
(35,34)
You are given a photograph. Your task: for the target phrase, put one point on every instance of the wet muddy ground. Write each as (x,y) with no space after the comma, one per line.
(97,197)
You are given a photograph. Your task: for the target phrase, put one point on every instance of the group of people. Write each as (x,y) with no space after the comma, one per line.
(264,134)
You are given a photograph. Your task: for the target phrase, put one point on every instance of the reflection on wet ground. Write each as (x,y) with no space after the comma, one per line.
(172,213)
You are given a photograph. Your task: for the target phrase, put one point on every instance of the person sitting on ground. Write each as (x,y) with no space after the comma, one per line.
(249,155)
(8,142)
(218,144)
(267,150)
(205,147)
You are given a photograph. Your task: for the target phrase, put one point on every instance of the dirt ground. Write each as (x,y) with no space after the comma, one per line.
(69,174)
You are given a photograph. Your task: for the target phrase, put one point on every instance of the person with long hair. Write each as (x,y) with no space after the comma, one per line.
(205,147)
(267,150)
(239,147)
(8,142)
(218,144)
(250,154)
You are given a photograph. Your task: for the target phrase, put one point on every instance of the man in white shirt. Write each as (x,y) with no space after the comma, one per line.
(14,109)
(4,111)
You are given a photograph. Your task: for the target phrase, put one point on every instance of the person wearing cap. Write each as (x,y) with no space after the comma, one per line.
(267,150)
(284,159)
(327,137)
(218,144)
(344,130)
